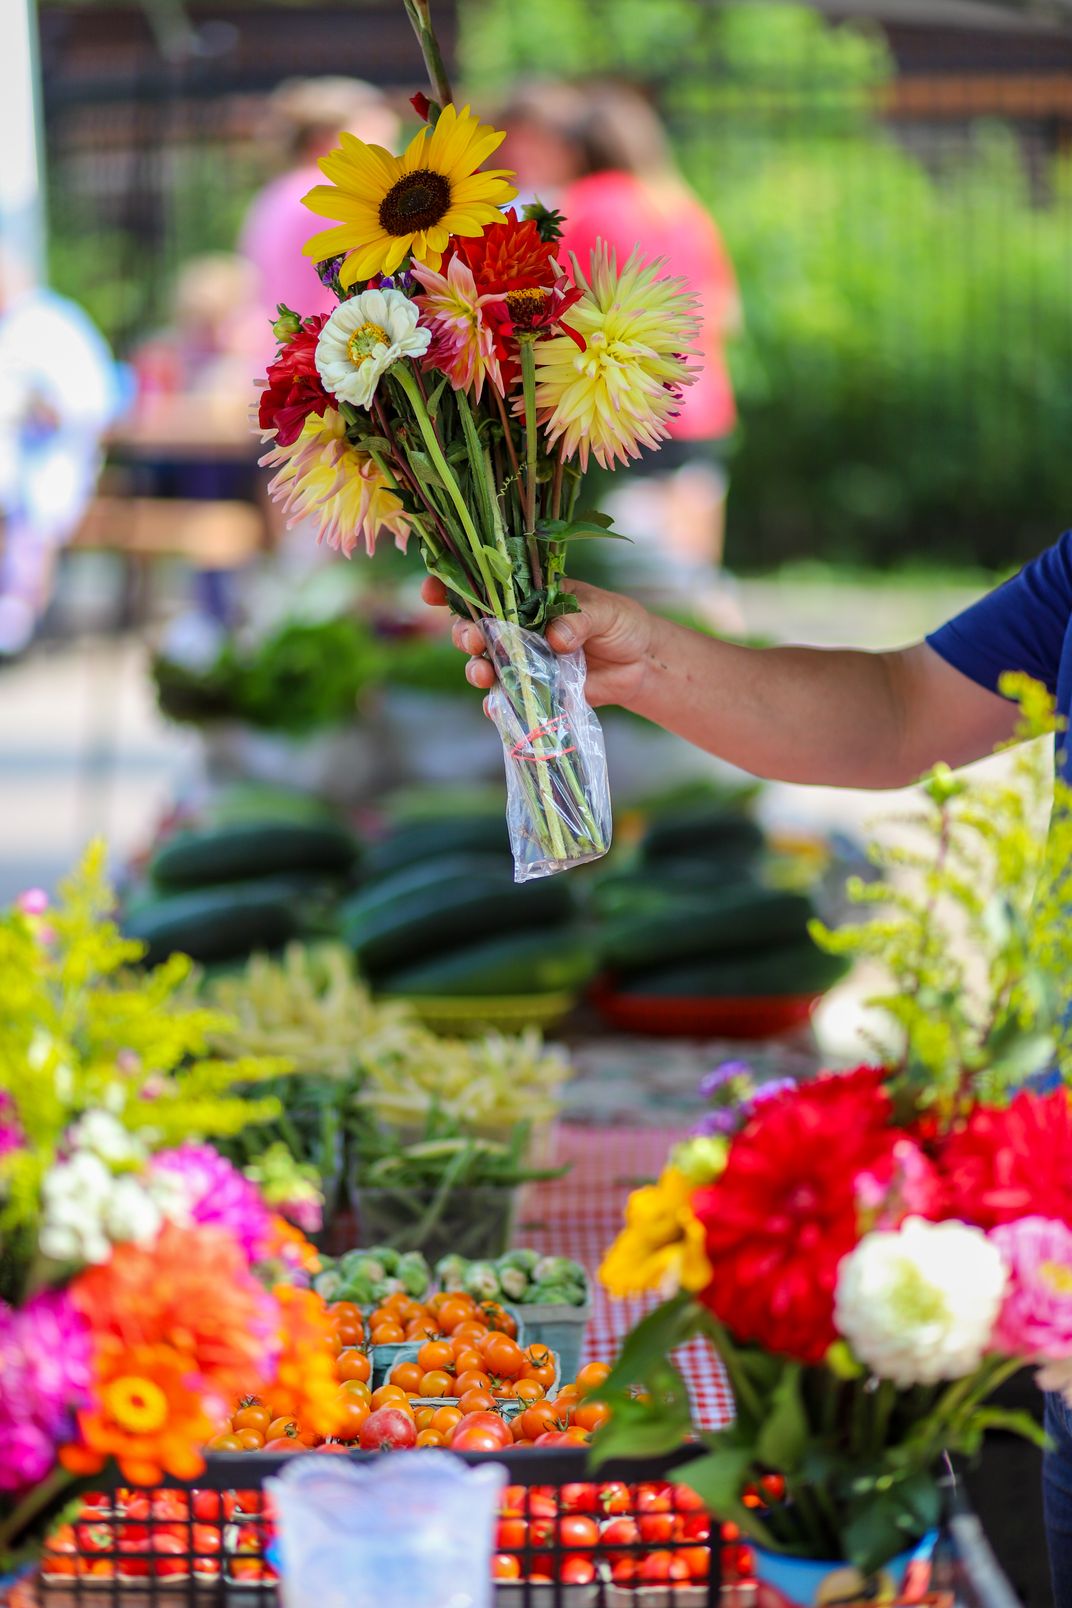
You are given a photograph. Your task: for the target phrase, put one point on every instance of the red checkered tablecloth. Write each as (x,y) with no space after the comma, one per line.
(580,1214)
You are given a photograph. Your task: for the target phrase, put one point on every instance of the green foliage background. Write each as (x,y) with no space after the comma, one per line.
(903,377)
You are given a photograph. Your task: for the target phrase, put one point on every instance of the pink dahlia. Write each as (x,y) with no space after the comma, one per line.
(463,342)
(216,1193)
(1036,1318)
(44,1379)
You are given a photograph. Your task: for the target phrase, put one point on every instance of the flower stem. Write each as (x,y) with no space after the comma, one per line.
(527,345)
(454,492)
(34,1503)
(419,15)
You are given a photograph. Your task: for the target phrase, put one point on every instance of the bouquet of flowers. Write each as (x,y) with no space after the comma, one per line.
(456,395)
(146,1282)
(867,1285)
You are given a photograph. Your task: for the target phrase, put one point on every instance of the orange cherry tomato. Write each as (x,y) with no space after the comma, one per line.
(430,1437)
(281,1426)
(424,1417)
(353,1363)
(407,1376)
(446,1419)
(592,1376)
(541,1418)
(453,1312)
(389,1396)
(473,1379)
(435,1354)
(350,1418)
(387,1334)
(250,1440)
(252,1414)
(466,1358)
(504,1357)
(496,1317)
(225,1443)
(357,1388)
(476,1401)
(528,1390)
(591,1414)
(437,1383)
(470,1331)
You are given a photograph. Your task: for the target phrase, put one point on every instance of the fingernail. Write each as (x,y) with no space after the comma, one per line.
(471,673)
(565,635)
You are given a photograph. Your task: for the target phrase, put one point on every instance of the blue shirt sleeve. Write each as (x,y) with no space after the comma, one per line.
(1019,626)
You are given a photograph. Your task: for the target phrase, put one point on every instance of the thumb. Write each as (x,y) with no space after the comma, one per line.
(571,631)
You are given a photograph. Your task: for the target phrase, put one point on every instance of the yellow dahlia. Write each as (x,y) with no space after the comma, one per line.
(619,394)
(322,477)
(662,1246)
(388,207)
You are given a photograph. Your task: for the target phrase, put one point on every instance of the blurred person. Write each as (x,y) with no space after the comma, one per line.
(59,392)
(600,155)
(309,114)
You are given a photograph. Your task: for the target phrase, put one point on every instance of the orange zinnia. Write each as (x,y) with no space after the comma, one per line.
(178,1329)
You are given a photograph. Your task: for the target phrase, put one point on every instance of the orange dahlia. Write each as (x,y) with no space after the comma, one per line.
(177,1329)
(305,1374)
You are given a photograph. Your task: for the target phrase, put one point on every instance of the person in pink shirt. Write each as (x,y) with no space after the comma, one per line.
(310,113)
(599,153)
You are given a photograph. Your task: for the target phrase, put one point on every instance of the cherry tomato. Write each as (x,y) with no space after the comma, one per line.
(389,1396)
(435,1354)
(475,1401)
(437,1383)
(453,1312)
(422,1417)
(504,1357)
(206,1505)
(225,1443)
(387,1334)
(353,1363)
(685,1500)
(282,1426)
(614,1497)
(407,1376)
(511,1535)
(577,1571)
(488,1422)
(528,1390)
(592,1376)
(495,1316)
(388,1429)
(252,1414)
(656,1528)
(504,1567)
(351,1417)
(466,1357)
(580,1498)
(697,1561)
(474,1438)
(660,1567)
(591,1415)
(206,1538)
(620,1532)
(285,1443)
(430,1437)
(445,1420)
(541,1417)
(356,1388)
(471,1332)
(471,1379)
(250,1440)
(577,1530)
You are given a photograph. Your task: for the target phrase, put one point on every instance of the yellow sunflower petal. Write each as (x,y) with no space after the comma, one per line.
(329,242)
(437,238)
(397,250)
(416,154)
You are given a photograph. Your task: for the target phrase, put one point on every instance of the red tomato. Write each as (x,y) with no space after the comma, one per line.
(206,1538)
(173,1558)
(697,1527)
(285,1443)
(473,1438)
(656,1528)
(513,1502)
(614,1497)
(697,1561)
(207,1505)
(621,1532)
(577,1530)
(661,1566)
(95,1537)
(488,1421)
(511,1535)
(555,1437)
(580,1498)
(577,1571)
(388,1429)
(653,1499)
(504,1567)
(685,1500)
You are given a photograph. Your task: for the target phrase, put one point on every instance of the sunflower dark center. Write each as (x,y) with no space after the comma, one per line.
(415,201)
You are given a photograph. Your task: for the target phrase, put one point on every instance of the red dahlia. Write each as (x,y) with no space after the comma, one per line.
(508,256)
(294,390)
(1012,1162)
(784,1212)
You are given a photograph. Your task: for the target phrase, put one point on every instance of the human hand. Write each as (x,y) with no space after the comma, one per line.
(615,632)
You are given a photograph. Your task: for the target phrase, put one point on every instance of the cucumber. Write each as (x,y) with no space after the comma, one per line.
(211,924)
(550,962)
(387,927)
(240,802)
(429,840)
(784,969)
(245,849)
(701,832)
(678,885)
(387,890)
(736,920)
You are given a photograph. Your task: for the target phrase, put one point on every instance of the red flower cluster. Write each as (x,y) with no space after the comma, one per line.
(1013,1162)
(784,1212)
(294,390)
(511,263)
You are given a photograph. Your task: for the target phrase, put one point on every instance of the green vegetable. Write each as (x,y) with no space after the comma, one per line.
(212,924)
(482,1282)
(739,919)
(246,849)
(514,1282)
(553,961)
(450,1272)
(414,1273)
(525,1260)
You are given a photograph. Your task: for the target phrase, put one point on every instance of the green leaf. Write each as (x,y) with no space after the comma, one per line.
(435,398)
(449,571)
(423,468)
(1011,1421)
(882,1523)
(640,1427)
(592,516)
(648,1345)
(498,563)
(375,443)
(783,1436)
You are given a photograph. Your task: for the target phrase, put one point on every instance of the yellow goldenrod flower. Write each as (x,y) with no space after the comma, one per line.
(388,207)
(662,1246)
(618,394)
(322,477)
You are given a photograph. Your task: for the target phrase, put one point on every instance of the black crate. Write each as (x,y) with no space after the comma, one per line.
(142,1551)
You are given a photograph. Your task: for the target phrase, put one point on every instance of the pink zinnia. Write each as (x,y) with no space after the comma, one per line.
(216,1193)
(44,1379)
(1036,1318)
(463,343)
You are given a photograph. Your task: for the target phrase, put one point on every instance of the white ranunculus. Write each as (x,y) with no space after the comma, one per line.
(918,1305)
(361,340)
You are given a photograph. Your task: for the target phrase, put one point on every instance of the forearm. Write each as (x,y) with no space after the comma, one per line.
(827,716)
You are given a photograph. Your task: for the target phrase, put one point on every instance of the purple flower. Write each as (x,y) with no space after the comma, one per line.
(217,1194)
(768,1091)
(720,1123)
(713,1083)
(44,1378)
(34,902)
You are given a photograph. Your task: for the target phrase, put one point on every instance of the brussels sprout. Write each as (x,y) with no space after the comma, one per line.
(514,1282)
(328,1283)
(388,1256)
(388,1287)
(359,1289)
(481,1281)
(450,1271)
(553,1270)
(413,1271)
(525,1260)
(549,1294)
(364,1266)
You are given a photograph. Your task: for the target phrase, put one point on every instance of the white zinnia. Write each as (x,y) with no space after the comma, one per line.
(361,340)
(918,1305)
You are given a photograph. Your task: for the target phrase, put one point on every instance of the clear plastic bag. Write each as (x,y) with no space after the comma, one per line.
(557,794)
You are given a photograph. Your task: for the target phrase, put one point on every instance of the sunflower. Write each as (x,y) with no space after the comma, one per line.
(618,394)
(389,207)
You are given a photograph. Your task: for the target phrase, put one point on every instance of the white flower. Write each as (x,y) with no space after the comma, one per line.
(919,1305)
(131,1213)
(100,1132)
(361,340)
